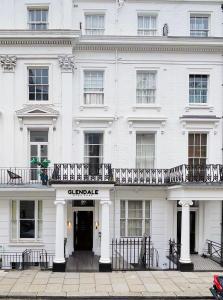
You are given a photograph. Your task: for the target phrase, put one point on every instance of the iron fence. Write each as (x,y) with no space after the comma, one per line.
(174,255)
(129,254)
(215,251)
(26,259)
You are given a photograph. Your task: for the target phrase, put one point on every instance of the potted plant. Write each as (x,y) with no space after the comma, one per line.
(43,171)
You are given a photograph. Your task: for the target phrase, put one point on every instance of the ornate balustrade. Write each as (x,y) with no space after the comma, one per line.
(104,173)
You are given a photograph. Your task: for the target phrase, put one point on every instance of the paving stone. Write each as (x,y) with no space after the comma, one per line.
(21,294)
(70,288)
(51,294)
(120,287)
(86,294)
(87,280)
(53,287)
(71,281)
(20,287)
(37,288)
(159,274)
(155,294)
(57,275)
(56,280)
(124,294)
(103,288)
(40,281)
(13,274)
(103,281)
(8,281)
(153,287)
(72,275)
(168,286)
(137,288)
(5,288)
(86,287)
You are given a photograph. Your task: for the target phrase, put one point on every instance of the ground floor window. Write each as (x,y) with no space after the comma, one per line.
(135,218)
(26,219)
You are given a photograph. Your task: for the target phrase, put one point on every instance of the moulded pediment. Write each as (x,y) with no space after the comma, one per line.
(37,110)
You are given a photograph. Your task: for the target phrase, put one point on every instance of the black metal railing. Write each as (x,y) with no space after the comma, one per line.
(129,254)
(174,255)
(22,176)
(141,176)
(104,173)
(215,251)
(82,173)
(26,259)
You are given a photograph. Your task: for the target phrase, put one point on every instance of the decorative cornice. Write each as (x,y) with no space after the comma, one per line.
(66,63)
(8,63)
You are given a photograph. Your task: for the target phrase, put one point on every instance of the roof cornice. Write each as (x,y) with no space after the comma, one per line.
(162,44)
(46,38)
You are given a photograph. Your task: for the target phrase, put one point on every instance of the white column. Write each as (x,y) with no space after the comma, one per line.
(185,231)
(59,247)
(66,63)
(105,234)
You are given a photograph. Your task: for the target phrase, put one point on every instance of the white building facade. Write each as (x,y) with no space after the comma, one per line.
(124,98)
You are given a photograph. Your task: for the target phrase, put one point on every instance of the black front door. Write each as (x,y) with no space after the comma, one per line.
(192,229)
(83,230)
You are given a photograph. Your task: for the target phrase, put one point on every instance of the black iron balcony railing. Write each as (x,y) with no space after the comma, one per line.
(104,173)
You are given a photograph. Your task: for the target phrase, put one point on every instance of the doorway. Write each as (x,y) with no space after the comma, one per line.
(192,230)
(83,230)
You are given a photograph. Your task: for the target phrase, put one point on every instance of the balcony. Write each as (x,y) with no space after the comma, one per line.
(105,174)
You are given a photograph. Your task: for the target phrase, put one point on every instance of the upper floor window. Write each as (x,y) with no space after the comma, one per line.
(38,84)
(93,87)
(145,150)
(147,25)
(94,24)
(38,18)
(199,26)
(198,89)
(26,219)
(135,218)
(93,151)
(146,87)
(197,149)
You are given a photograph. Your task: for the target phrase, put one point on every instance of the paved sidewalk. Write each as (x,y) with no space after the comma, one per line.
(151,284)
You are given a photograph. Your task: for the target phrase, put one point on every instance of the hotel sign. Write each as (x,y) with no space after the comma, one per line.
(83,192)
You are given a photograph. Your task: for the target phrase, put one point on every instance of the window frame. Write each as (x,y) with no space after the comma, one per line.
(207,145)
(144,15)
(37,235)
(200,15)
(101,158)
(92,14)
(94,92)
(152,71)
(143,219)
(199,104)
(36,8)
(146,133)
(39,66)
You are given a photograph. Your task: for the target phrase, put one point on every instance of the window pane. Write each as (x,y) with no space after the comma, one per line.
(145,150)
(147,209)
(40,209)
(122,208)
(27,229)
(146,87)
(135,209)
(122,228)
(134,227)
(39,136)
(27,209)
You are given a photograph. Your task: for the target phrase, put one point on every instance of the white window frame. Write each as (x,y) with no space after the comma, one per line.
(146,133)
(48,85)
(37,220)
(101,158)
(208,88)
(144,31)
(152,71)
(94,31)
(102,92)
(200,15)
(143,218)
(35,8)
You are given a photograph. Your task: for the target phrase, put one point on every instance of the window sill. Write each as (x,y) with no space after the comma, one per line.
(82,107)
(26,244)
(201,106)
(147,106)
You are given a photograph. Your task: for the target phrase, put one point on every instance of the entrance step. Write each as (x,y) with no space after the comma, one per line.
(83,261)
